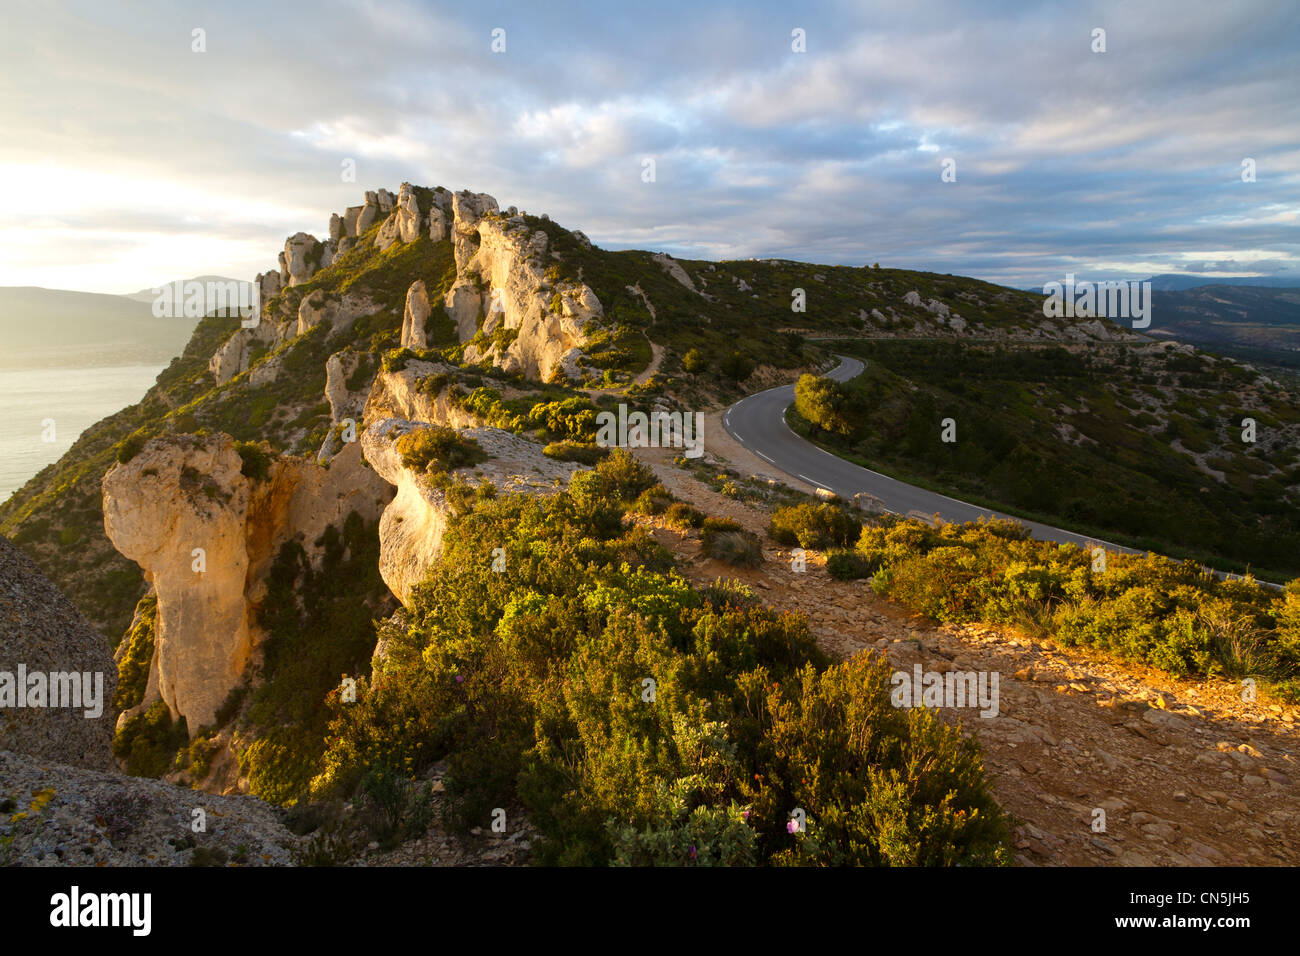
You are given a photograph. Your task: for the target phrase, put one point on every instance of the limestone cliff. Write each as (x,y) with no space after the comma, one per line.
(205,534)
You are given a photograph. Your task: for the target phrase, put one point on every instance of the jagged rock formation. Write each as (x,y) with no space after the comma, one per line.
(183,493)
(509,260)
(43,634)
(501,282)
(412,526)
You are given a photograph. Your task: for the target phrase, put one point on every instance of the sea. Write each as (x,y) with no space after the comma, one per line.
(43,410)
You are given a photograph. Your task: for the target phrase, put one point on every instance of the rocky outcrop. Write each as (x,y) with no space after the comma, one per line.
(412,526)
(409,219)
(339,311)
(464,304)
(56,661)
(205,536)
(508,259)
(301,258)
(468,210)
(236,352)
(351,217)
(398,395)
(674,269)
(415,315)
(369,214)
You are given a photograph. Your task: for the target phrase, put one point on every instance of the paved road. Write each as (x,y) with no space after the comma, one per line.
(758,423)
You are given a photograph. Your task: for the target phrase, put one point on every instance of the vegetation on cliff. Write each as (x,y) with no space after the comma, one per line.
(638,720)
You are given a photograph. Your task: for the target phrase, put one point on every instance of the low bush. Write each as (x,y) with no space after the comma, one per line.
(808,525)
(1176,616)
(148,743)
(574,451)
(682,516)
(844,565)
(728,541)
(436,448)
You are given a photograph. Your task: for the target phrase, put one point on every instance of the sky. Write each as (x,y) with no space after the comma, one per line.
(130,157)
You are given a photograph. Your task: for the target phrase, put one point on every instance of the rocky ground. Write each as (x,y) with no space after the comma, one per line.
(1186,772)
(55,815)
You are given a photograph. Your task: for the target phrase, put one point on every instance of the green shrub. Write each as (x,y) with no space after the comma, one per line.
(737,366)
(148,742)
(256,461)
(653,501)
(695,361)
(819,526)
(134,663)
(573,451)
(624,477)
(682,516)
(435,448)
(1146,608)
(130,447)
(573,419)
(532,685)
(846,565)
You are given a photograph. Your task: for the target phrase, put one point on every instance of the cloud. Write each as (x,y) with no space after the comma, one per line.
(129,157)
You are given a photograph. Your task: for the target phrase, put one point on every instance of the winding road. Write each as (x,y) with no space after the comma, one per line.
(758,423)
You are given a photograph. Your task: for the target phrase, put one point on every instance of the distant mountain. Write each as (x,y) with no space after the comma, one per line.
(1178,281)
(1175,281)
(147,295)
(54,327)
(1260,325)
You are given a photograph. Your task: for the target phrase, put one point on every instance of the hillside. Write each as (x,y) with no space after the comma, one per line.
(1255,324)
(1141,444)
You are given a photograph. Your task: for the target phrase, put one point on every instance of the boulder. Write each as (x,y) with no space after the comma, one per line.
(42,633)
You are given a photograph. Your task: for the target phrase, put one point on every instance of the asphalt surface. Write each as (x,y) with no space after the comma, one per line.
(758,423)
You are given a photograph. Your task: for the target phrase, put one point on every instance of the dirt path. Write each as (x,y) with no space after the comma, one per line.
(1185,771)
(656,359)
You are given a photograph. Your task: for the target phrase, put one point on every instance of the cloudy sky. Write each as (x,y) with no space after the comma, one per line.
(128,158)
